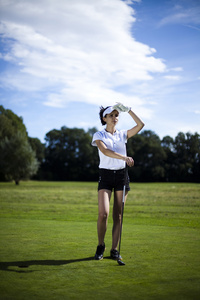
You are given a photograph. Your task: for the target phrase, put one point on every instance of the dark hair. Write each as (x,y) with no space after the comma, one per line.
(102,109)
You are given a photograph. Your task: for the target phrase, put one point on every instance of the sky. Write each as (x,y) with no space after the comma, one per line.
(60,60)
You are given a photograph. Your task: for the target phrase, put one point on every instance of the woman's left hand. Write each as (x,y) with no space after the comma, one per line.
(129,161)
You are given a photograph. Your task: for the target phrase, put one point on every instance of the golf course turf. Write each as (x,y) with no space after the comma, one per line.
(49,238)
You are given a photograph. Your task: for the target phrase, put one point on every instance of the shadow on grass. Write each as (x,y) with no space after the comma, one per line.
(23,265)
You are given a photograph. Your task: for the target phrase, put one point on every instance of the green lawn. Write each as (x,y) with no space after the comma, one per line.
(48,241)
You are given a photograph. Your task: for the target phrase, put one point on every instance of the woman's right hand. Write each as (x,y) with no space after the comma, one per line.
(121,108)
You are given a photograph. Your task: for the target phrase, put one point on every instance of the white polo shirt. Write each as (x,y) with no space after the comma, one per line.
(115,142)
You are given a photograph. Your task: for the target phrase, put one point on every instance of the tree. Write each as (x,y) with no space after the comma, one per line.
(194,155)
(39,150)
(187,150)
(148,155)
(167,144)
(10,123)
(69,155)
(38,147)
(17,159)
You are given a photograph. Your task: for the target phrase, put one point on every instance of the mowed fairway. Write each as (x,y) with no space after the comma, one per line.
(48,241)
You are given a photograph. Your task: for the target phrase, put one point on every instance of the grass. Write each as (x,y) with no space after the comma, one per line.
(48,240)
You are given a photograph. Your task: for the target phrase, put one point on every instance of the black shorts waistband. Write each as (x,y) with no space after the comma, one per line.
(108,171)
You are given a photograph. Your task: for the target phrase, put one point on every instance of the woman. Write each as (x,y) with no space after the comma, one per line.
(111,145)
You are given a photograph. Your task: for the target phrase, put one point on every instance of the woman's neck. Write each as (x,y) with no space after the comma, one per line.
(110,129)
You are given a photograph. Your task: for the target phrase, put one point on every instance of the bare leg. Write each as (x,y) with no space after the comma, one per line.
(103,204)
(117,210)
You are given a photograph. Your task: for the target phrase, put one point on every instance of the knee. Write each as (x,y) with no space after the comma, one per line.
(103,216)
(117,218)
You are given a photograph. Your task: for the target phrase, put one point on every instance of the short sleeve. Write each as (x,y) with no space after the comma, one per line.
(96,136)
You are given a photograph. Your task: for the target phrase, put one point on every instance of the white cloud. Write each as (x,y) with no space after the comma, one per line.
(197,112)
(131,1)
(193,27)
(83,50)
(172,77)
(186,15)
(177,69)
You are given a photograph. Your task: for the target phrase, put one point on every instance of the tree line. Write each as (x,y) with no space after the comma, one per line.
(67,154)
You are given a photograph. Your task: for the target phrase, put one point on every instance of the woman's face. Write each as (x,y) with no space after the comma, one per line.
(112,118)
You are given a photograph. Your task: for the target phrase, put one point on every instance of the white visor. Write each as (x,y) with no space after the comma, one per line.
(108,110)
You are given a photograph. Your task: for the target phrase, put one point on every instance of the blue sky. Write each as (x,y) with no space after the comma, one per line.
(61,59)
